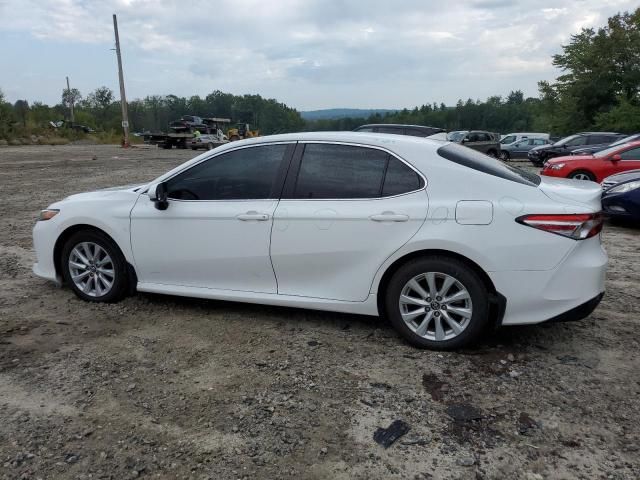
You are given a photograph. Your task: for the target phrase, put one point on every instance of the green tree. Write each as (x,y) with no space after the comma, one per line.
(601,69)
(6,116)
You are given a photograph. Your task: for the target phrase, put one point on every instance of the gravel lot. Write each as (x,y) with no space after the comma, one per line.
(166,387)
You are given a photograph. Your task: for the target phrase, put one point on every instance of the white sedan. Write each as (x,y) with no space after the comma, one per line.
(442,240)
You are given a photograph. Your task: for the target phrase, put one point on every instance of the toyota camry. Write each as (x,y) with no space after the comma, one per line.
(440,239)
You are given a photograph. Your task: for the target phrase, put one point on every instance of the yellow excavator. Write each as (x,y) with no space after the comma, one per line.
(240,131)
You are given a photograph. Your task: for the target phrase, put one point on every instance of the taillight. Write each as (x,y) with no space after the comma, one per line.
(577,226)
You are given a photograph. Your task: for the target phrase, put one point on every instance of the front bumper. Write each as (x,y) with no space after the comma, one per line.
(44,239)
(535,160)
(621,205)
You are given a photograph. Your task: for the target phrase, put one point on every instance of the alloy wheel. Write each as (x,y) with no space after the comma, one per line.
(92,269)
(581,176)
(435,306)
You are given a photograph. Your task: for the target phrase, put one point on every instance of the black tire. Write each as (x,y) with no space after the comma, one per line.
(451,267)
(209,146)
(120,285)
(505,156)
(580,173)
(492,153)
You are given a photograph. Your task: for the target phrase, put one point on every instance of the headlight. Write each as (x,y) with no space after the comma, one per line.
(555,166)
(625,187)
(48,214)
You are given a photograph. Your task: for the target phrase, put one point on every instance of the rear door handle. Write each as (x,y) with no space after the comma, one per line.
(253,215)
(389,217)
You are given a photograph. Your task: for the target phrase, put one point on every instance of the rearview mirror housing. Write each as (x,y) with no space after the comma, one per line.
(158,195)
(616,158)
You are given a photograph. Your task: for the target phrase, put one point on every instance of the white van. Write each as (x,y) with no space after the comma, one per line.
(509,138)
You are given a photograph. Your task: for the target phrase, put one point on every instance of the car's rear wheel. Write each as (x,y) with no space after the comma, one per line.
(582,175)
(505,155)
(438,303)
(209,146)
(94,267)
(492,153)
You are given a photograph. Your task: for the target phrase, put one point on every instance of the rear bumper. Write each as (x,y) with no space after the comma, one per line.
(539,296)
(579,312)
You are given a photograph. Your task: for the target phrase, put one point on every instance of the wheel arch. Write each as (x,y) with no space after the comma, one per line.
(497,301)
(73,229)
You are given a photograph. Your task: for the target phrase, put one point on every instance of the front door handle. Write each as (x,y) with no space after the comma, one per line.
(253,215)
(389,217)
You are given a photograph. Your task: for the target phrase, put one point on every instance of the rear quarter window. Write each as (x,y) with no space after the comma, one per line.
(483,163)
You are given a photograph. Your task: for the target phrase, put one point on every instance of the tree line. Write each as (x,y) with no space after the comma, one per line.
(598,89)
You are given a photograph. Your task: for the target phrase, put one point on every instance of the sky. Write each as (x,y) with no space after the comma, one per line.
(309,54)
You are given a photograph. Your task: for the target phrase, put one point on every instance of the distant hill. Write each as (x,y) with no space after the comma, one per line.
(333,113)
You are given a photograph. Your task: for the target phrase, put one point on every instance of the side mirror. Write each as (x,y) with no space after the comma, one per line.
(158,194)
(616,158)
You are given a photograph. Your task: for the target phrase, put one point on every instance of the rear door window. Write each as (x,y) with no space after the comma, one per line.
(400,179)
(340,171)
(330,171)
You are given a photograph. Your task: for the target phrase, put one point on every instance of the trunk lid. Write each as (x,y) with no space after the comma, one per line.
(577,192)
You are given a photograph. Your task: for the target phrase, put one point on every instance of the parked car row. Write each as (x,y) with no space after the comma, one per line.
(593,140)
(616,167)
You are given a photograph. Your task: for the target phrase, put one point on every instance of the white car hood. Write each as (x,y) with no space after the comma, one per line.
(105,193)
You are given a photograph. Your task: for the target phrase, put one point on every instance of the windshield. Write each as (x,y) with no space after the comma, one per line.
(508,139)
(624,140)
(607,151)
(571,141)
(456,136)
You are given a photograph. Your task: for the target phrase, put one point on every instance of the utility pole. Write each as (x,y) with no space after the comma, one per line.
(70,100)
(123,97)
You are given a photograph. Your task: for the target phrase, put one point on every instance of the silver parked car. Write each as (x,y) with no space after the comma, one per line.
(520,148)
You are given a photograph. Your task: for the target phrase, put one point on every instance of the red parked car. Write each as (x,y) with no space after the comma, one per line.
(598,166)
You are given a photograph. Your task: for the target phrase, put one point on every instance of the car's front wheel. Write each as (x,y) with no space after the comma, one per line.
(582,175)
(504,155)
(438,303)
(94,267)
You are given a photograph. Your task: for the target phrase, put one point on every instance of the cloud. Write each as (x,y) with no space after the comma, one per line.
(308,53)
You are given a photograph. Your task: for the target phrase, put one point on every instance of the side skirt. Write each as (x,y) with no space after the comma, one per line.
(368,307)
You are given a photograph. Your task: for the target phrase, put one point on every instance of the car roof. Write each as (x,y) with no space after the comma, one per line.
(342,136)
(384,140)
(398,125)
(597,133)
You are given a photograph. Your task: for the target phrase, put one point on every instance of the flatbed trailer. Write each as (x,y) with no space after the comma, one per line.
(169,140)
